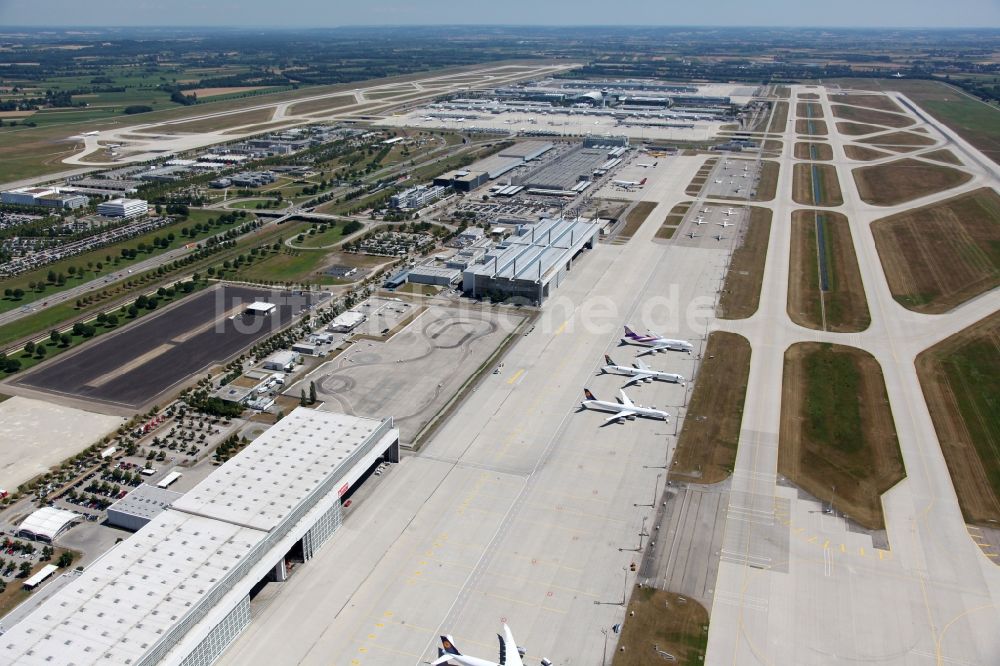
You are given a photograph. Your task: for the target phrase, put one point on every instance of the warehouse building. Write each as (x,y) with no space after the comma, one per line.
(282,361)
(50,197)
(140,506)
(463,180)
(347,321)
(123,208)
(563,174)
(532,263)
(177,592)
(443,277)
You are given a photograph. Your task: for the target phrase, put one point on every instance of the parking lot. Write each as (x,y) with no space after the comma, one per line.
(414,373)
(133,367)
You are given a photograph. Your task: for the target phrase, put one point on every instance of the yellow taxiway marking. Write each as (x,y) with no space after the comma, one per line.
(516,376)
(562,327)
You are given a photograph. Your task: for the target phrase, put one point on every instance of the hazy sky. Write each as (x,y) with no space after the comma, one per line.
(330,13)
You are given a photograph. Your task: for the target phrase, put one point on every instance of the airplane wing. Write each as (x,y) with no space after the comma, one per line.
(619,415)
(635,379)
(642,365)
(625,399)
(509,656)
(443,659)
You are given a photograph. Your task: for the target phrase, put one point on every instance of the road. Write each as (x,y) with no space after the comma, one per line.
(931,597)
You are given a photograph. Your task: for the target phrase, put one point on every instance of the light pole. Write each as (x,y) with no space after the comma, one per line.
(656,485)
(625,588)
(604,655)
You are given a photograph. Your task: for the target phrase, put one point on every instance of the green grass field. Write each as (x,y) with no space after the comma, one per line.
(313,238)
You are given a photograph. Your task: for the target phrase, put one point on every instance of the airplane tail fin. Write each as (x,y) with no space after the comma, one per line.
(643,181)
(448,646)
(588,395)
(607,359)
(629,333)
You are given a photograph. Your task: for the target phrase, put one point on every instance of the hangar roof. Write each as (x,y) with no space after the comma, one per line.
(48,522)
(122,604)
(260,485)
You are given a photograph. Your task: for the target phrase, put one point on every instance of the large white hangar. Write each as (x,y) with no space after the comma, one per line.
(532,262)
(178,591)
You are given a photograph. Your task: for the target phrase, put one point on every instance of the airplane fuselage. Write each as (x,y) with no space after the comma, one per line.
(646,375)
(616,408)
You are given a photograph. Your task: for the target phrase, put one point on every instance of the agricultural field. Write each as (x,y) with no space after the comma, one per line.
(837,439)
(816,185)
(806,150)
(941,255)
(706,448)
(825,291)
(960,378)
(871,116)
(674,624)
(740,295)
(903,180)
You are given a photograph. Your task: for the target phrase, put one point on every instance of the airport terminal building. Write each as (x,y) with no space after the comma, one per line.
(178,591)
(532,263)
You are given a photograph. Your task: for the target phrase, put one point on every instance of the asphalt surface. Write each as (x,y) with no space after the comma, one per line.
(932,596)
(131,367)
(521,507)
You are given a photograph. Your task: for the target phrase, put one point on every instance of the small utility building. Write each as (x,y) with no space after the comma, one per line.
(140,506)
(260,309)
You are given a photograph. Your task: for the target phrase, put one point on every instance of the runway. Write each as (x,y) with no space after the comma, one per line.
(931,597)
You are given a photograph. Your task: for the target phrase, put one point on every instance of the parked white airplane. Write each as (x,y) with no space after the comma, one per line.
(729,211)
(692,235)
(706,209)
(646,165)
(719,237)
(510,653)
(725,224)
(629,184)
(626,409)
(700,221)
(655,342)
(638,372)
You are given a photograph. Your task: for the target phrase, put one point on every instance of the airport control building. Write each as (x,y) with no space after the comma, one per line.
(178,591)
(531,263)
